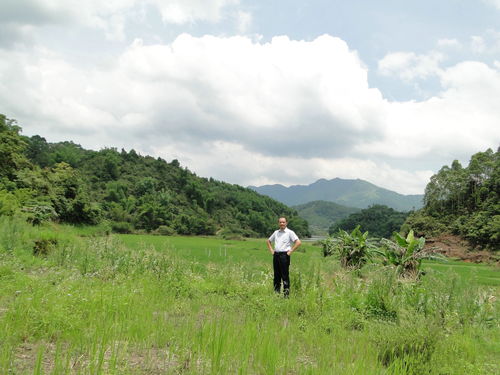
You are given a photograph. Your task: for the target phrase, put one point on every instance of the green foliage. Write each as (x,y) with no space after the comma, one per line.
(464,201)
(406,254)
(64,182)
(378,220)
(422,224)
(12,147)
(164,230)
(410,347)
(121,227)
(194,305)
(328,245)
(351,193)
(353,249)
(39,212)
(9,204)
(321,214)
(43,246)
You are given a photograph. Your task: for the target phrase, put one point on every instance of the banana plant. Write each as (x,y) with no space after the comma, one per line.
(406,253)
(353,249)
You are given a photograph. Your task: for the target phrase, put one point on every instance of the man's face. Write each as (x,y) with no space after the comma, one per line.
(282,223)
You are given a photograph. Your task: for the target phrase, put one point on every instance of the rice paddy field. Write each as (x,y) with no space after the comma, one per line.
(77,301)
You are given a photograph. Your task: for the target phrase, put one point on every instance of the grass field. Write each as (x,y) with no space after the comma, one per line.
(139,304)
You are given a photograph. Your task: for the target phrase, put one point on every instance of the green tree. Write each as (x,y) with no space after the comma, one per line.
(378,220)
(464,201)
(12,148)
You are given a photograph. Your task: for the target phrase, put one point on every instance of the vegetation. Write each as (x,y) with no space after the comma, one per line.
(321,214)
(73,296)
(79,307)
(378,220)
(463,201)
(351,193)
(406,254)
(64,182)
(353,249)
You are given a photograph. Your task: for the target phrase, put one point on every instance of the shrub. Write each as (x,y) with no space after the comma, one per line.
(44,245)
(328,245)
(39,212)
(406,254)
(122,227)
(423,225)
(353,248)
(164,230)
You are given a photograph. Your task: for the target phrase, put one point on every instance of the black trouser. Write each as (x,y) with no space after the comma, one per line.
(281,263)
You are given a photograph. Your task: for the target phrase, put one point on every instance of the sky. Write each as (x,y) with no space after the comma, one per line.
(263,91)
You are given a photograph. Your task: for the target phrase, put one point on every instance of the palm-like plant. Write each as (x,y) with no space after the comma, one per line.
(406,254)
(353,248)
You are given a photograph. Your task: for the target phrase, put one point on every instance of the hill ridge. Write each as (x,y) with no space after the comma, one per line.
(347,192)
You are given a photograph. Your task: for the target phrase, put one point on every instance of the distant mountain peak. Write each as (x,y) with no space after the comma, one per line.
(348,192)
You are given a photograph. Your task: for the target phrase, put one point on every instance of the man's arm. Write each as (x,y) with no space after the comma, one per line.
(270,247)
(296,244)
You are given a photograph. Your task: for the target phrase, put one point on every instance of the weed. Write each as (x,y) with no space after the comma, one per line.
(154,304)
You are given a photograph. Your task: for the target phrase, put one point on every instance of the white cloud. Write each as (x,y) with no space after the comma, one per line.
(235,88)
(243,21)
(109,16)
(234,108)
(409,66)
(94,13)
(449,43)
(478,44)
(249,168)
(462,120)
(495,3)
(189,11)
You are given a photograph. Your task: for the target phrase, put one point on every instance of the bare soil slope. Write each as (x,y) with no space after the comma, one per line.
(456,247)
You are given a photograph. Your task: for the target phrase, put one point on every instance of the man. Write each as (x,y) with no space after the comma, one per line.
(285,243)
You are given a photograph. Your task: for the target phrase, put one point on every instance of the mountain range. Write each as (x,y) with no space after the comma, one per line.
(321,215)
(352,193)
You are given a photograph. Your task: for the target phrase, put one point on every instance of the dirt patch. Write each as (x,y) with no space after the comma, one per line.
(119,356)
(26,356)
(456,247)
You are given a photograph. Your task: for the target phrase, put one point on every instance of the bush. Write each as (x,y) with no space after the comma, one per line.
(122,227)
(423,225)
(44,245)
(234,232)
(405,254)
(164,230)
(328,245)
(353,248)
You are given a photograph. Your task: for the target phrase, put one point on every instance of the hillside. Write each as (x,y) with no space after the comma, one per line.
(378,220)
(129,192)
(321,214)
(463,201)
(352,193)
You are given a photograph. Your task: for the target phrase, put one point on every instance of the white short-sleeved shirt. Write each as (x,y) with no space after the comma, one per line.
(283,239)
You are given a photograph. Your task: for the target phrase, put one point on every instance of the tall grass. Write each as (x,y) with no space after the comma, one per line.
(142,305)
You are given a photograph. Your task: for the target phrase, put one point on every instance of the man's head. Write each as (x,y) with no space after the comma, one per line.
(282,222)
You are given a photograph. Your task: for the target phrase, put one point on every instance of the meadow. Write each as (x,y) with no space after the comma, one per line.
(78,301)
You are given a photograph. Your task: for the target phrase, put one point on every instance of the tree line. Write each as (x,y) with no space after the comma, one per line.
(460,200)
(464,201)
(379,220)
(67,183)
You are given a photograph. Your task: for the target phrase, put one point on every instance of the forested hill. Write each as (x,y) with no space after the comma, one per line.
(352,193)
(64,182)
(464,201)
(321,214)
